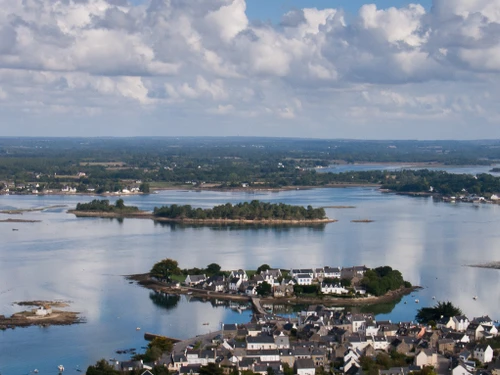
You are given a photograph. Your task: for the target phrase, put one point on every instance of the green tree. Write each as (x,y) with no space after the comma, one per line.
(287,370)
(264,289)
(144,188)
(102,367)
(211,369)
(165,269)
(213,269)
(263,267)
(441,309)
(120,204)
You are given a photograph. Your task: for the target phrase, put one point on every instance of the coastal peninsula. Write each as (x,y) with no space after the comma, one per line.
(43,314)
(254,212)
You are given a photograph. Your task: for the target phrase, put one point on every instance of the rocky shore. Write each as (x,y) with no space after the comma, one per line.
(30,318)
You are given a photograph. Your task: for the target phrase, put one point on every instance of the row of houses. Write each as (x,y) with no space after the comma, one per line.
(282,282)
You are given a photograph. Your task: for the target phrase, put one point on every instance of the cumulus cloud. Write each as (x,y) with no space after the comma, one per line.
(316,69)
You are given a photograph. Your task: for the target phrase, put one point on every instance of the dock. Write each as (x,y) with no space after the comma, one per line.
(258,307)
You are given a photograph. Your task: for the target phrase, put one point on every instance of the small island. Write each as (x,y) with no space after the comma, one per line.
(339,286)
(43,314)
(254,212)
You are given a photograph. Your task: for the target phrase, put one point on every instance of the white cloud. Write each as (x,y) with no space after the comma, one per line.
(342,76)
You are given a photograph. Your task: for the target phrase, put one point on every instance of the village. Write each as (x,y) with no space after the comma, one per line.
(277,283)
(323,340)
(319,339)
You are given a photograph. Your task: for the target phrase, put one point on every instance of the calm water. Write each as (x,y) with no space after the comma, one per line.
(82,260)
(475,169)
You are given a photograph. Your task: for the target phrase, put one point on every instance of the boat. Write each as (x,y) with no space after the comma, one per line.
(35,371)
(206,324)
(433,297)
(474,298)
(138,329)
(189,293)
(15,229)
(417,301)
(60,368)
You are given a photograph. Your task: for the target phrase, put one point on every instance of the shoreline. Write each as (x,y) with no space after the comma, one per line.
(489,265)
(146,282)
(28,318)
(155,190)
(148,215)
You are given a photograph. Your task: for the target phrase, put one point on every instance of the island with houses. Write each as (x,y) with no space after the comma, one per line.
(327,285)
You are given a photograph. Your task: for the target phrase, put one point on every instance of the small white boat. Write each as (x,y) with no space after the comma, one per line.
(138,329)
(433,297)
(474,298)
(60,368)
(417,301)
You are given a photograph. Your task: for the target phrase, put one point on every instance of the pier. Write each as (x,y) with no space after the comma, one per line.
(258,307)
(151,336)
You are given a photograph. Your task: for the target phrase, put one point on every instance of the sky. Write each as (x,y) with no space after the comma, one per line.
(388,69)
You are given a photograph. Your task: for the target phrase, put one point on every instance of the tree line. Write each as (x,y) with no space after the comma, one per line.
(380,280)
(255,210)
(103,205)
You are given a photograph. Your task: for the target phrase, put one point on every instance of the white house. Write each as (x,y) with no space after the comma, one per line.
(271,276)
(333,273)
(461,323)
(426,357)
(43,311)
(333,289)
(379,342)
(483,353)
(282,341)
(445,322)
(358,322)
(303,279)
(268,355)
(297,271)
(351,358)
(251,290)
(359,290)
(261,342)
(460,370)
(304,367)
(192,280)
(234,284)
(240,274)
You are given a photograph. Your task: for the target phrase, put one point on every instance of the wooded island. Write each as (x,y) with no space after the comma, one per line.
(240,213)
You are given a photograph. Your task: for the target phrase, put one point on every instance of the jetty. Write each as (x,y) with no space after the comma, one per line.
(151,336)
(258,307)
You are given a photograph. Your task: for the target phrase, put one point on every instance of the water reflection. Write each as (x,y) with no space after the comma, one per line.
(221,227)
(167,301)
(83,260)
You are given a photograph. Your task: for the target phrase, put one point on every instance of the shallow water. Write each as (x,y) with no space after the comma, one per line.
(83,260)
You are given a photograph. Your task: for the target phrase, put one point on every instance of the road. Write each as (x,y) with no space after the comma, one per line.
(205,339)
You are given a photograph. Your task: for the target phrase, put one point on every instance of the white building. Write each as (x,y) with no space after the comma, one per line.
(333,289)
(483,353)
(43,311)
(461,323)
(304,279)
